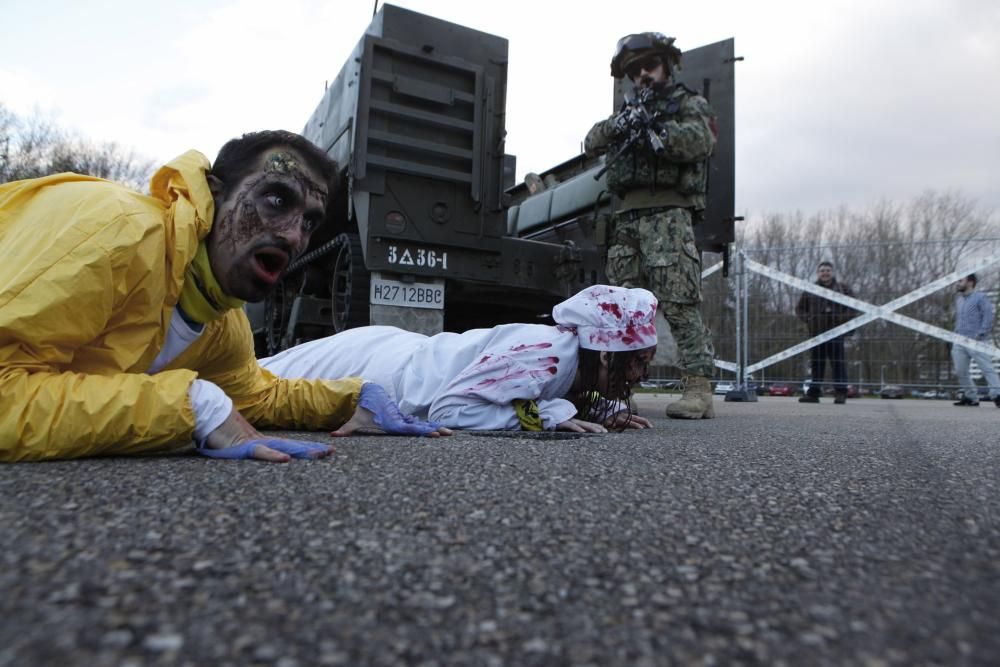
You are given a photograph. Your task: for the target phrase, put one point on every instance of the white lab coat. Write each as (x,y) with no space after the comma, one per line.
(463,381)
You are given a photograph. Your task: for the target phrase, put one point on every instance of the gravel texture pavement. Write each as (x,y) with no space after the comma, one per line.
(777,533)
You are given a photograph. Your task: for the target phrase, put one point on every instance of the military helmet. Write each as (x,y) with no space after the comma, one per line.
(634,47)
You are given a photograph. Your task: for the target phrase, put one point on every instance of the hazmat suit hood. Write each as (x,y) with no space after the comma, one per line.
(182,186)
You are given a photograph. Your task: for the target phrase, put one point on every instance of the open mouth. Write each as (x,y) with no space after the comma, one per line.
(269,264)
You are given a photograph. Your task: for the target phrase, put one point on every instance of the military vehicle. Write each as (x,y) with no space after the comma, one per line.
(423,234)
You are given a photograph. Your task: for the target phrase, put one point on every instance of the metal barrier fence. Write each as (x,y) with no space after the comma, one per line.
(904,296)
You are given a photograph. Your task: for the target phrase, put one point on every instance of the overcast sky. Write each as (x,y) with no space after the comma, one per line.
(844,102)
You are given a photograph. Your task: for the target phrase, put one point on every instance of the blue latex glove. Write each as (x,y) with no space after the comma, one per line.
(387,415)
(297,449)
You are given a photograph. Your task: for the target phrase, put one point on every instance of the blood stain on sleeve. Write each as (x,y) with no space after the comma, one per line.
(546,367)
(536,346)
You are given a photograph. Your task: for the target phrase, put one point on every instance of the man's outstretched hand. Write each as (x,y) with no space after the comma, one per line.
(266,448)
(237,439)
(376,411)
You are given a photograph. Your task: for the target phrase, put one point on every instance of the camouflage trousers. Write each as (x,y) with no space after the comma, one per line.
(654,248)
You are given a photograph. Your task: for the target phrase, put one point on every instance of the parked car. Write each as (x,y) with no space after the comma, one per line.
(724,387)
(658,384)
(779,389)
(892,391)
(934,393)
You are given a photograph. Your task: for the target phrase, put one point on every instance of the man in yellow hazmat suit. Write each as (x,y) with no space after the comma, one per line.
(121,327)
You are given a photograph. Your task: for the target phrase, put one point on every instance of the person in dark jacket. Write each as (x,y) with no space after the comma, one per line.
(821,315)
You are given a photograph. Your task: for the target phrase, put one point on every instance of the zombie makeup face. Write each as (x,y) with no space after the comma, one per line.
(263,222)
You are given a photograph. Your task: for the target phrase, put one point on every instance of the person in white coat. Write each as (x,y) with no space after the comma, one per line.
(574,376)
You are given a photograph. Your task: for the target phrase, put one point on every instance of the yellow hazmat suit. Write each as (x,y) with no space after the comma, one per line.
(90,273)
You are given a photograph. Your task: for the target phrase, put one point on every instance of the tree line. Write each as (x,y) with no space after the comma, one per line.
(33,145)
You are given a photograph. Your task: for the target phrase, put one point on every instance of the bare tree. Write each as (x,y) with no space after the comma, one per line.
(33,146)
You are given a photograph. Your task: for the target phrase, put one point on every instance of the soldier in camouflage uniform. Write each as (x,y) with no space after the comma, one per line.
(652,242)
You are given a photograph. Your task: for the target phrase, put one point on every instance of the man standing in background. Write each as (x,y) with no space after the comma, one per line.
(973,319)
(820,315)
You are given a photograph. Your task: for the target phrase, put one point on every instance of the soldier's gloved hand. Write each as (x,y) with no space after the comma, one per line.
(387,416)
(298,449)
(619,124)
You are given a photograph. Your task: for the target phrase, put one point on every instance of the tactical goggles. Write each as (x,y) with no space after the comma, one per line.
(649,63)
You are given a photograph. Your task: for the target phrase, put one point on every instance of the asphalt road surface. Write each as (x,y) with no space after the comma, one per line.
(778,533)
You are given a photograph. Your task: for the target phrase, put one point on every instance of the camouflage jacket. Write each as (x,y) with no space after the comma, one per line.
(687,127)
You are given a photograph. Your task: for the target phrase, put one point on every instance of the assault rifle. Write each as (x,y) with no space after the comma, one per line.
(641,125)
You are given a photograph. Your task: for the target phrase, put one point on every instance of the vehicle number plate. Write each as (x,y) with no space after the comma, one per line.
(386,292)
(421,257)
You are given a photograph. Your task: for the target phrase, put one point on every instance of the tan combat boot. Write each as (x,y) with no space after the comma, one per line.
(696,403)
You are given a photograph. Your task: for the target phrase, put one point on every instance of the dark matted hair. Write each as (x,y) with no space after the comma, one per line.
(972,279)
(239,156)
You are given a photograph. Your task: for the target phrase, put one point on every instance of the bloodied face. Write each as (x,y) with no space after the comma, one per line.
(263,222)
